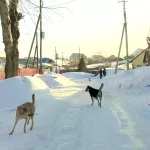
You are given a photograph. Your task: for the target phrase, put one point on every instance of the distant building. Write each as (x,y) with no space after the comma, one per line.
(75,57)
(142,59)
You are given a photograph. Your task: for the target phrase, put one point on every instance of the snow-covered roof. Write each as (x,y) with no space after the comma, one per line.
(59,62)
(47,64)
(137,52)
(77,55)
(95,65)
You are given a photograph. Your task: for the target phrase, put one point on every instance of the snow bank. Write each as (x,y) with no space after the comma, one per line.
(18,90)
(54,80)
(48,80)
(78,75)
(127,79)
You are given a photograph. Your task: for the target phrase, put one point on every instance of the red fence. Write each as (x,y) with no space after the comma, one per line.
(21,72)
(2,74)
(27,72)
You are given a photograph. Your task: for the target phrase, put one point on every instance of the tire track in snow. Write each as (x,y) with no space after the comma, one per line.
(127,126)
(84,127)
(65,135)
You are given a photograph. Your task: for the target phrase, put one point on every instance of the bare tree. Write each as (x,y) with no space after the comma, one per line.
(10,31)
(10,23)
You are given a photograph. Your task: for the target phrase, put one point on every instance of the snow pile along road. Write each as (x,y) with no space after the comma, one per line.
(136,78)
(54,80)
(20,89)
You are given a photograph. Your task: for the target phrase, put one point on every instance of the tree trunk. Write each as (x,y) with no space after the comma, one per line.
(15,34)
(10,30)
(7,37)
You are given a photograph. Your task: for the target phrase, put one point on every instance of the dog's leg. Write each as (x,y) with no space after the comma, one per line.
(32,118)
(14,127)
(98,101)
(28,120)
(92,100)
(25,125)
(100,97)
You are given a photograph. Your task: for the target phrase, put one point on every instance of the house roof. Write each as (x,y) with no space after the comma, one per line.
(144,50)
(138,54)
(46,60)
(77,55)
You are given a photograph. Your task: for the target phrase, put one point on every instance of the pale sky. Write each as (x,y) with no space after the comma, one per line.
(93,25)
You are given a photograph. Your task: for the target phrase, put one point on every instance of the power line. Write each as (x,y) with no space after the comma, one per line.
(62,3)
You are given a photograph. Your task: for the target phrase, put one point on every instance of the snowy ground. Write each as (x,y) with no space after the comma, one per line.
(65,119)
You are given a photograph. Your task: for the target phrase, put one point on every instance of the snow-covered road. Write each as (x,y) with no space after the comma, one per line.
(65,120)
(81,126)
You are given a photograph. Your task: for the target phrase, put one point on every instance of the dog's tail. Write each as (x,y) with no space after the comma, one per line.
(101,87)
(33,98)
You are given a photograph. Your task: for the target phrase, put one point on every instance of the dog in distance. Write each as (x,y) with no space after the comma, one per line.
(90,80)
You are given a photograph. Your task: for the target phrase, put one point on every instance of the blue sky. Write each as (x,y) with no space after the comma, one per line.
(93,25)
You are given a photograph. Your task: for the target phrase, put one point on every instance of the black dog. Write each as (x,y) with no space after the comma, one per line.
(94,93)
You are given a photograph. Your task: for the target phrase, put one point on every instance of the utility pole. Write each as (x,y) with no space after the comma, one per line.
(37,51)
(119,50)
(56,59)
(62,58)
(126,34)
(41,36)
(79,55)
(34,56)
(126,37)
(35,32)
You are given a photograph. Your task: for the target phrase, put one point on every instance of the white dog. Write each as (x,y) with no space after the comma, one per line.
(90,80)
